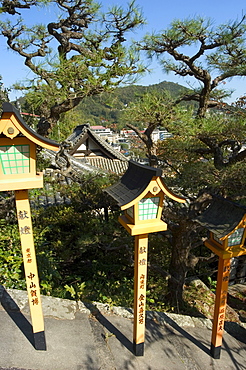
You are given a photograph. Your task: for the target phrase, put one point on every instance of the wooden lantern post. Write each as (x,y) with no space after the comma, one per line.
(220,306)
(18,144)
(140,194)
(226,222)
(140,279)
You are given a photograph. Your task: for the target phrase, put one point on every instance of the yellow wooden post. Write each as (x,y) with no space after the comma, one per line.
(30,265)
(140,279)
(220,306)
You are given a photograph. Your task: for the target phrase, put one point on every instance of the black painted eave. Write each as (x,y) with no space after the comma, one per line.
(133,183)
(9,108)
(222,216)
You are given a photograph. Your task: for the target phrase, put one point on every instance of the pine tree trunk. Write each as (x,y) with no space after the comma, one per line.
(179,264)
(204,98)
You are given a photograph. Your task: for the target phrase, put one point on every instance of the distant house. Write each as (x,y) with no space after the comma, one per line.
(160,135)
(101,130)
(127,133)
(88,146)
(156,134)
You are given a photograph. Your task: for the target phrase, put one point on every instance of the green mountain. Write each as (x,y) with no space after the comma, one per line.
(106,108)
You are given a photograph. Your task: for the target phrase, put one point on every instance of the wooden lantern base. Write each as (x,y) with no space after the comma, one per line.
(144,228)
(215,351)
(22,183)
(40,341)
(230,252)
(138,349)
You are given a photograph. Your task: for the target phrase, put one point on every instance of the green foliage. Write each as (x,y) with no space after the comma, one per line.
(81,254)
(206,54)
(76,241)
(11,263)
(66,125)
(3,94)
(233,183)
(13,7)
(110,109)
(200,32)
(151,109)
(81,53)
(41,163)
(76,292)
(190,155)
(206,156)
(212,284)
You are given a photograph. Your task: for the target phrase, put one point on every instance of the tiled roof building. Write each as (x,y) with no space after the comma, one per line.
(87,146)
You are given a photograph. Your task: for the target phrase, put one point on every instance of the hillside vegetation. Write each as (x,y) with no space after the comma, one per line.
(107,108)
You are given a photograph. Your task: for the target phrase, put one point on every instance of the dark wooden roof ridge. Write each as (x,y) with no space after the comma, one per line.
(9,108)
(78,133)
(85,129)
(222,216)
(132,183)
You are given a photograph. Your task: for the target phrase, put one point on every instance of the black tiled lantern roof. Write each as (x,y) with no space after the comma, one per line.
(133,182)
(222,216)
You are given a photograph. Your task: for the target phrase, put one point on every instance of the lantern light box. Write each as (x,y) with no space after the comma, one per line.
(226,222)
(140,194)
(18,144)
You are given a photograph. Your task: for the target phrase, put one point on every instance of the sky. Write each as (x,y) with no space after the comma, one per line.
(158,14)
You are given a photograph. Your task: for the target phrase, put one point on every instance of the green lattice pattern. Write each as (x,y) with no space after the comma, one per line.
(148,208)
(15,159)
(236,237)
